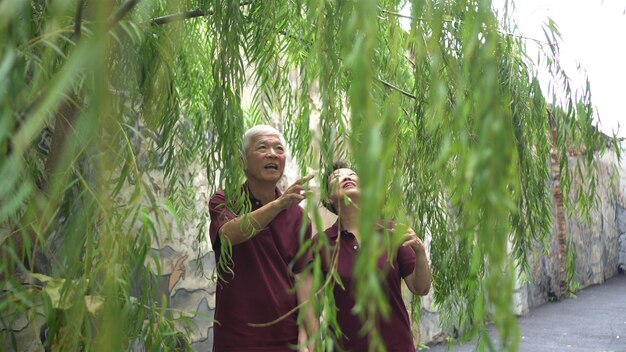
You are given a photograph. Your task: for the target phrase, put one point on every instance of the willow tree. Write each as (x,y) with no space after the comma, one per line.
(445,122)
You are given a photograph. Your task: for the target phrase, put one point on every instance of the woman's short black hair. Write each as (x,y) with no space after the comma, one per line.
(339,164)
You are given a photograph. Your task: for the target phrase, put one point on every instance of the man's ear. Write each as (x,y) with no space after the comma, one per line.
(242,162)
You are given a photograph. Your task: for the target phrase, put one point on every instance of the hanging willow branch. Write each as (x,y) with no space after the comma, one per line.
(179,17)
(126,7)
(186,15)
(464,159)
(389,85)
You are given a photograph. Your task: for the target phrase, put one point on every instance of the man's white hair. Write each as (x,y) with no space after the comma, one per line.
(261,130)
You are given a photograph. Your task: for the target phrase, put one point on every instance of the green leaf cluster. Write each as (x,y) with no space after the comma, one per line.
(445,122)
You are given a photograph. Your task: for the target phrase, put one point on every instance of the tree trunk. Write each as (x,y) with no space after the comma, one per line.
(557,194)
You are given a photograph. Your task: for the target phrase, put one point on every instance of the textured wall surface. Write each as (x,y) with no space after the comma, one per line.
(600,248)
(621,226)
(596,243)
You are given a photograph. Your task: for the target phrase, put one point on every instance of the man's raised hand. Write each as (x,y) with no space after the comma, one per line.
(295,193)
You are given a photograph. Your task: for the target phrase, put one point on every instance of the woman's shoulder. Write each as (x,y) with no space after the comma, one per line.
(383,224)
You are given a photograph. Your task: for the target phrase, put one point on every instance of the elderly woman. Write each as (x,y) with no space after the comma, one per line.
(410,264)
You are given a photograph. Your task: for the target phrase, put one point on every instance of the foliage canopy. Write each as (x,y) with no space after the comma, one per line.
(445,122)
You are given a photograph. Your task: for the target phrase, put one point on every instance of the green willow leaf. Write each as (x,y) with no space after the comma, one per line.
(436,104)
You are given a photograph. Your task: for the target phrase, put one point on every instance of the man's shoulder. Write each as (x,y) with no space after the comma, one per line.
(219,193)
(331,232)
(218,197)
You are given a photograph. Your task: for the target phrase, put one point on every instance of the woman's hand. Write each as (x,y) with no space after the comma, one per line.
(411,239)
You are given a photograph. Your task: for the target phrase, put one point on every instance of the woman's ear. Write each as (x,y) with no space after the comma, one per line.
(328,205)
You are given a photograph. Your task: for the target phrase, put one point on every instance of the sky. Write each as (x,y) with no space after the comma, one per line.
(594,36)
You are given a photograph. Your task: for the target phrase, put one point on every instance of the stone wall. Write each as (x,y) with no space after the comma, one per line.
(600,252)
(620,214)
(596,243)
(620,218)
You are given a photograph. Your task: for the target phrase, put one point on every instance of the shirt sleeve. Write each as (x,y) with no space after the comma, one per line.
(319,248)
(406,261)
(220,215)
(305,256)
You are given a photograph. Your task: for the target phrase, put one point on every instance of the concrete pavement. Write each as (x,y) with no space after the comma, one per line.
(593,321)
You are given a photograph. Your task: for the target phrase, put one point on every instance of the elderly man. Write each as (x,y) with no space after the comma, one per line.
(265,265)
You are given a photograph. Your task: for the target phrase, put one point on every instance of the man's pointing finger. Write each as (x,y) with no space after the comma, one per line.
(305,179)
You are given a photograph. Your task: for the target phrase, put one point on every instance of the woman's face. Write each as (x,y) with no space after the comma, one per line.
(343,182)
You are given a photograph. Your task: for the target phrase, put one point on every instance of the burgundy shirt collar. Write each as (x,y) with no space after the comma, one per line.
(333,231)
(246,188)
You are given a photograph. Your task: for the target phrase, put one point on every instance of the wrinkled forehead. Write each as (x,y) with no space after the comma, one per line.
(272,139)
(342,173)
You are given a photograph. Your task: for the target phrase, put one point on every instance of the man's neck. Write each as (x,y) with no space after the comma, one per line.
(263,191)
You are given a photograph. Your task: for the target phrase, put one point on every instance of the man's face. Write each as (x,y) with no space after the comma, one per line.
(343,182)
(265,158)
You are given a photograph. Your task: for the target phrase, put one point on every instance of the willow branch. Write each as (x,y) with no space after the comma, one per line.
(78,18)
(199,13)
(455,21)
(179,17)
(64,124)
(123,11)
(421,19)
(391,86)
(409,60)
(186,15)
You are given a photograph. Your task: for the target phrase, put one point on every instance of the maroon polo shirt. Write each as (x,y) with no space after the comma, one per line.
(396,332)
(261,288)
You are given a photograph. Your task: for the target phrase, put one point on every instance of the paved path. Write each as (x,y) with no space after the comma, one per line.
(594,321)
